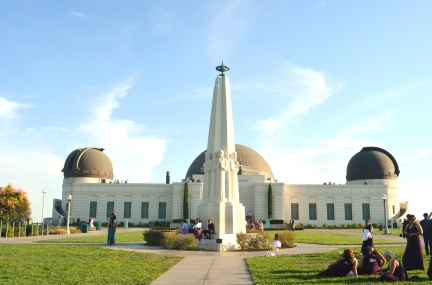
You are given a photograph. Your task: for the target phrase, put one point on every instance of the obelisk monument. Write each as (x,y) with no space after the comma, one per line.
(221,202)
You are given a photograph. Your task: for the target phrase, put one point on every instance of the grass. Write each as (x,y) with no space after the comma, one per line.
(335,239)
(121,237)
(302,269)
(79,264)
(393,232)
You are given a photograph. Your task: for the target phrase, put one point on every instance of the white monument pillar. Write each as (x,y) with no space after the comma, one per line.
(221,202)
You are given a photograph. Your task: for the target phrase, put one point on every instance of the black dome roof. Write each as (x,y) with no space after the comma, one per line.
(251,162)
(372,163)
(88,162)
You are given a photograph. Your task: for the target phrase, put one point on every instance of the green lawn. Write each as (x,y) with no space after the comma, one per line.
(302,269)
(393,232)
(84,238)
(79,264)
(336,239)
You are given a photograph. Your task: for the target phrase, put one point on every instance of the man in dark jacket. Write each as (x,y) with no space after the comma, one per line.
(209,230)
(426,236)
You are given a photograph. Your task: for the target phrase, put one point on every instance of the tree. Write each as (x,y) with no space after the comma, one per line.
(270,200)
(14,204)
(186,202)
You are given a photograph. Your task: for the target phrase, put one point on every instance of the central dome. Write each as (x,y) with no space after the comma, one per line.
(251,162)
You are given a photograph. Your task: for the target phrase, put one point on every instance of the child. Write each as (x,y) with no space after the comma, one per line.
(277,243)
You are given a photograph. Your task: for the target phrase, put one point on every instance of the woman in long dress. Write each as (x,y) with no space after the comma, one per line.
(395,271)
(343,266)
(369,263)
(413,255)
(367,235)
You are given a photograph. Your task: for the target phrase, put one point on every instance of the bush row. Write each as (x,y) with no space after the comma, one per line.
(257,240)
(170,240)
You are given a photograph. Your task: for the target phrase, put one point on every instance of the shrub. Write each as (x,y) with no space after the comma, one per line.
(256,241)
(168,239)
(352,226)
(299,226)
(325,226)
(335,226)
(344,226)
(310,226)
(287,238)
(276,222)
(177,221)
(153,237)
(360,225)
(375,225)
(185,242)
(74,230)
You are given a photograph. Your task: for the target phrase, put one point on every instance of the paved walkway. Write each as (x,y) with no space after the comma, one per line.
(203,267)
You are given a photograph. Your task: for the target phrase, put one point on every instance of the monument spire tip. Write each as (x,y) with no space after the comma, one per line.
(222,68)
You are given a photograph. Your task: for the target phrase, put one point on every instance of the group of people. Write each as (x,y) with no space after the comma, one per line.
(372,262)
(259,225)
(197,229)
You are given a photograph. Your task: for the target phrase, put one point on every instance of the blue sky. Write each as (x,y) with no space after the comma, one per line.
(312,83)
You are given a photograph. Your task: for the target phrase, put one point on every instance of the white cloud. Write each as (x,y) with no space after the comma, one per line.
(377,124)
(8,109)
(132,152)
(33,158)
(302,88)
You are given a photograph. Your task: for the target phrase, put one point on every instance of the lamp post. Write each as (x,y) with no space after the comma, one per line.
(68,214)
(43,204)
(386,231)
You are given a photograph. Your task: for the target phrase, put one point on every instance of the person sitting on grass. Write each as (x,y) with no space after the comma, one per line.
(251,225)
(368,263)
(277,242)
(380,257)
(395,271)
(343,266)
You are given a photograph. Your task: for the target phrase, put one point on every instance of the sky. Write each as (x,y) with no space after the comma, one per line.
(312,82)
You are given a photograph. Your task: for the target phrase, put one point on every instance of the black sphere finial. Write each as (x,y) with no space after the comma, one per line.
(222,68)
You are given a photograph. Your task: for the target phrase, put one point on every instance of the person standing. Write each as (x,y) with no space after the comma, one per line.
(111,223)
(367,235)
(413,255)
(429,233)
(91,222)
(426,237)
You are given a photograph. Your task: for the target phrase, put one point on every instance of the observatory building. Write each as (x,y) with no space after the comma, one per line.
(370,174)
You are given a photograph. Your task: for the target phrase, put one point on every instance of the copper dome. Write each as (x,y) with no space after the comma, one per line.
(251,162)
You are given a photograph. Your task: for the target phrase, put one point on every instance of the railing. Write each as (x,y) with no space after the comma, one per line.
(22,229)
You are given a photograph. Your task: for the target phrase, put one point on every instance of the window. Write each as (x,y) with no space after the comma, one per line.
(127,210)
(110,208)
(162,210)
(330,211)
(366,211)
(144,210)
(348,211)
(394,210)
(295,211)
(312,211)
(93,209)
